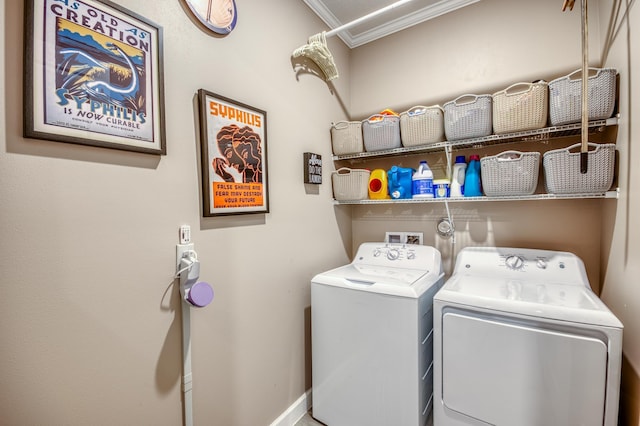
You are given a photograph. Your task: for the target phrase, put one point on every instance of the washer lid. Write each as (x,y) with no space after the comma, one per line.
(564,302)
(379,279)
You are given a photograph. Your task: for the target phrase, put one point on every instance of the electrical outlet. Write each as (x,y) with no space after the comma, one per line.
(413,238)
(404,238)
(181,249)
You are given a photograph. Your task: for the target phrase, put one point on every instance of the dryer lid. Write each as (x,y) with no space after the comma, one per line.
(544,299)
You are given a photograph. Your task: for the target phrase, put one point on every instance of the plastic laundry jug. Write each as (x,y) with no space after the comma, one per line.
(472,182)
(458,177)
(378,185)
(422,181)
(399,181)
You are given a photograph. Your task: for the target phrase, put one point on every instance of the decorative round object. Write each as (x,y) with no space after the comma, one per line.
(220,16)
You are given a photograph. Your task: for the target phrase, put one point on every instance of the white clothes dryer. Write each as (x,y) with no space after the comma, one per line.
(521,339)
(372,337)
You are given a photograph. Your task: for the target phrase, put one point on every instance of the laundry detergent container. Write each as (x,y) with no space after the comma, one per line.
(378,185)
(400,182)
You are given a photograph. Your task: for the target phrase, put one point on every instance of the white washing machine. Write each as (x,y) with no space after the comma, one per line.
(372,337)
(521,339)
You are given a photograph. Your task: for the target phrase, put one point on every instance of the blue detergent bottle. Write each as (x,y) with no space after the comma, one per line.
(472,182)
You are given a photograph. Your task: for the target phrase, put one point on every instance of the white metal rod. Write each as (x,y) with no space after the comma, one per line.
(365,18)
(186,359)
(585,77)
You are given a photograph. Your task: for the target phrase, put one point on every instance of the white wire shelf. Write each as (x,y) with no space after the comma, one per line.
(609,194)
(536,135)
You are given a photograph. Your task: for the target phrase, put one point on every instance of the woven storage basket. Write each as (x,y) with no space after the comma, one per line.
(510,173)
(523,109)
(470,119)
(350,184)
(565,96)
(562,170)
(381,132)
(422,125)
(346,137)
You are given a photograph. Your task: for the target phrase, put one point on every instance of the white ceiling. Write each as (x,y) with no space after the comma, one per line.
(339,12)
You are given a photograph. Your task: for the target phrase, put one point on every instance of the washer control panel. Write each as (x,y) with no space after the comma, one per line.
(395,255)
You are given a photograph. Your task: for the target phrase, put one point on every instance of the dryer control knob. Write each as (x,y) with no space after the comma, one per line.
(393,254)
(541,263)
(514,262)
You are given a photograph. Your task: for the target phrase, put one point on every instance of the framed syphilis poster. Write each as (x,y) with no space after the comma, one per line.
(93,75)
(234,156)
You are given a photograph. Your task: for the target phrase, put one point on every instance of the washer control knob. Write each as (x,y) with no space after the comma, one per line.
(514,262)
(411,255)
(541,263)
(376,253)
(393,254)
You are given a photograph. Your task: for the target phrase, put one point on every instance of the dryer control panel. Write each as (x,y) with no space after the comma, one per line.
(521,263)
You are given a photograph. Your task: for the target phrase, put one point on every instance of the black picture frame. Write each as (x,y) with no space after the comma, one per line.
(93,76)
(233,138)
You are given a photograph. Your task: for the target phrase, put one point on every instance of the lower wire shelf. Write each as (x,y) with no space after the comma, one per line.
(609,194)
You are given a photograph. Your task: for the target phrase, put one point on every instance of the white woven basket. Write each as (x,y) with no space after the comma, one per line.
(562,170)
(350,184)
(565,96)
(510,173)
(468,116)
(521,106)
(346,137)
(381,132)
(422,125)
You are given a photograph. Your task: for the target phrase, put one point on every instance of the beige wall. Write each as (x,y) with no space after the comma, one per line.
(479,49)
(484,48)
(621,230)
(88,307)
(89,313)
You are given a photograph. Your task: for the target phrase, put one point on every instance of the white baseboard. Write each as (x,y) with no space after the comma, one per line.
(295,412)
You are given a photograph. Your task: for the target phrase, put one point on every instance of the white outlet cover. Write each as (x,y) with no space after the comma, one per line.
(404,238)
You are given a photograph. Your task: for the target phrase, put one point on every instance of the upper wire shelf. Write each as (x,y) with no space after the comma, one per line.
(537,135)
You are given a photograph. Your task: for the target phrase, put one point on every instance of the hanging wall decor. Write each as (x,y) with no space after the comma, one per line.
(219,16)
(93,76)
(233,138)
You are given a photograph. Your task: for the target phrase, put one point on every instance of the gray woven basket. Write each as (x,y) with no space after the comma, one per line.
(562,170)
(350,184)
(510,173)
(381,132)
(565,96)
(468,116)
(346,137)
(518,110)
(422,125)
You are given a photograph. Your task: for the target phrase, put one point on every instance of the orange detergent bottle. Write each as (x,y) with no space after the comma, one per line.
(378,186)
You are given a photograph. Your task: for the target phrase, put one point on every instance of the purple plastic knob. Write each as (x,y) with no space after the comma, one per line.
(200,294)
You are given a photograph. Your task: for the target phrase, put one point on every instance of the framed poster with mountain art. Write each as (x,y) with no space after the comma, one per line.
(93,76)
